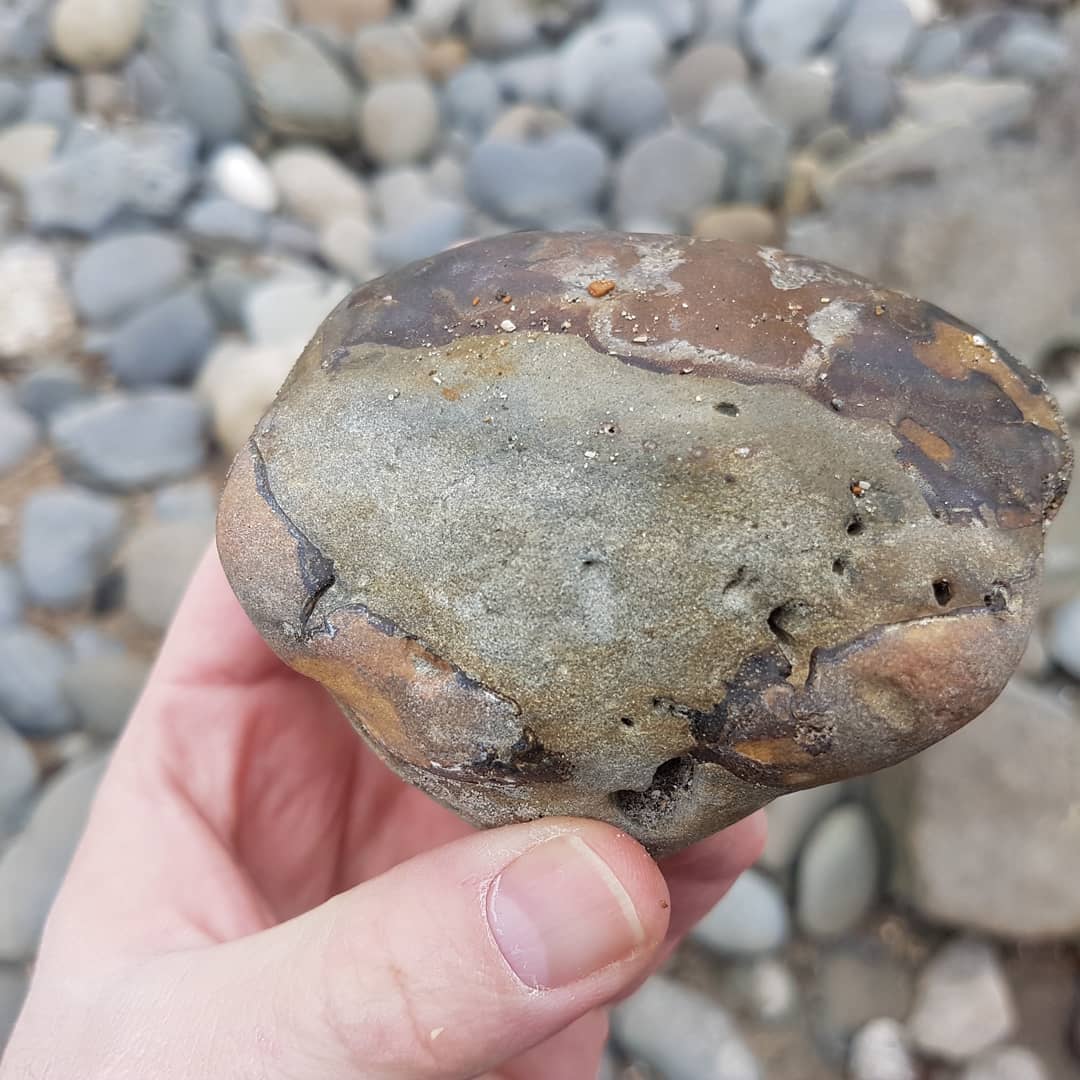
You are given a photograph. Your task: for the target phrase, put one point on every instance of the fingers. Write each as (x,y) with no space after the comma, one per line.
(459,959)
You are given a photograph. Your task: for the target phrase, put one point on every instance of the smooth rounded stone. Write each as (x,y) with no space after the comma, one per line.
(739,224)
(18,778)
(33,866)
(963,1004)
(771,990)
(681,1033)
(239,174)
(698,71)
(316,187)
(104,689)
(25,148)
(399,195)
(32,665)
(439,225)
(18,436)
(66,540)
(866,98)
(877,33)
(35,313)
(165,342)
(399,121)
(880,1051)
(667,178)
(158,562)
(24,31)
(751,919)
(1064,639)
(786,31)
(93,34)
(287,310)
(1033,51)
(51,101)
(721,20)
(472,98)
(125,442)
(676,19)
(791,817)
(799,98)
(1006,1063)
(629,107)
(238,382)
(838,873)
(11,596)
(547,181)
(392,50)
(496,27)
(530,77)
(123,272)
(161,167)
(292,239)
(87,642)
(434,18)
(216,222)
(13,98)
(189,499)
(885,573)
(14,982)
(344,15)
(598,51)
(348,245)
(938,50)
(299,89)
(232,17)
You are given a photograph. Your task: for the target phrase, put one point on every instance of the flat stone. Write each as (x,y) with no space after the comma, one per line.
(32,665)
(25,148)
(93,34)
(399,120)
(880,1051)
(35,313)
(316,187)
(103,690)
(786,31)
(751,919)
(1006,1063)
(158,562)
(699,71)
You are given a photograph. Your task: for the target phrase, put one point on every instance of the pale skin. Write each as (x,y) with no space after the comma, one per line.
(257,896)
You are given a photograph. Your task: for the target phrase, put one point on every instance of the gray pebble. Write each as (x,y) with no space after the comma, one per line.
(51,101)
(18,436)
(629,107)
(676,19)
(665,178)
(123,272)
(698,72)
(471,98)
(878,33)
(131,441)
(1006,1063)
(87,642)
(217,222)
(32,665)
(24,31)
(500,26)
(18,779)
(880,1051)
(192,499)
(1034,52)
(160,167)
(866,98)
(47,390)
(13,99)
(14,983)
(33,867)
(791,817)
(399,121)
(440,224)
(528,78)
(1064,639)
(158,563)
(11,596)
(103,690)
(721,20)
(787,31)
(681,1033)
(799,98)
(292,238)
(751,919)
(165,342)
(938,50)
(66,539)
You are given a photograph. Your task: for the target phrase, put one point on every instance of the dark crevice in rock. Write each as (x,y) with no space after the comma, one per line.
(670,783)
(527,761)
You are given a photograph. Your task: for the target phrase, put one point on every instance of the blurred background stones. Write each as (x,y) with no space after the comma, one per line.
(188,186)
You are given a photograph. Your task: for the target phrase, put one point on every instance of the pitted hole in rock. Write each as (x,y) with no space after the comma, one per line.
(726,408)
(671,784)
(840,566)
(943,592)
(626,721)
(855,525)
(997,597)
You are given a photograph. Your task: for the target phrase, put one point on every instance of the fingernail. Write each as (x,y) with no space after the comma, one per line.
(559,913)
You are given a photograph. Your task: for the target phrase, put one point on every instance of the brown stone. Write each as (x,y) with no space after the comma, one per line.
(746,525)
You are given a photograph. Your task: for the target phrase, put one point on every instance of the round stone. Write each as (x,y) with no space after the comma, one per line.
(316,187)
(751,919)
(32,665)
(399,120)
(239,174)
(92,34)
(35,313)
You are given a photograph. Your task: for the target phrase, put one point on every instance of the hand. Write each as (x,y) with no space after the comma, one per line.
(257,896)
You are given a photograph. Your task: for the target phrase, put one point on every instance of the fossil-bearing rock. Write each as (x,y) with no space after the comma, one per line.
(645,529)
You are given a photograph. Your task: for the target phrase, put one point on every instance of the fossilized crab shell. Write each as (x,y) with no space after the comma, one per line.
(645,529)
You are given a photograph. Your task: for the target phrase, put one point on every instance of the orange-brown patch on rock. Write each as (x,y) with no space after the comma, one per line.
(933,446)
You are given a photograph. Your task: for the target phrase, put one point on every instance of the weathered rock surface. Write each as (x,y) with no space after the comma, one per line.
(653,551)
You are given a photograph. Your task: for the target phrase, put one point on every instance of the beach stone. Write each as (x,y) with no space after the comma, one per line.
(630,106)
(18,779)
(439,224)
(1006,1063)
(239,174)
(399,121)
(739,224)
(36,316)
(392,50)
(682,1033)
(786,31)
(675,19)
(495,27)
(433,18)
(157,563)
(963,1005)
(123,272)
(160,167)
(66,539)
(471,98)
(344,15)
(877,33)
(721,20)
(698,71)
(14,983)
(125,442)
(32,665)
(791,817)
(1033,51)
(799,98)
(348,245)
(94,34)
(18,436)
(529,77)
(316,187)
(233,17)
(287,310)
(751,919)
(51,100)
(11,596)
(771,990)
(189,499)
(866,97)
(1064,643)
(25,148)
(939,49)
(217,222)
(104,689)
(880,1051)
(670,745)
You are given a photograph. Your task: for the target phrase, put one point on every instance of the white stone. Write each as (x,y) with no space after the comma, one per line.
(286,311)
(316,187)
(93,34)
(35,313)
(1006,1063)
(239,174)
(399,120)
(25,148)
(791,818)
(751,919)
(348,245)
(880,1051)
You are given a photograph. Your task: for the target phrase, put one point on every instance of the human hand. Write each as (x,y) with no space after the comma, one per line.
(256,895)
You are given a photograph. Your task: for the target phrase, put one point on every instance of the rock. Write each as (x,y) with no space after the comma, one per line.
(13,98)
(348,245)
(25,148)
(740,224)
(838,873)
(530,77)
(500,26)
(598,51)
(877,33)
(165,342)
(291,239)
(182,502)
(160,167)
(614,735)
(217,222)
(439,225)
(681,1033)
(158,563)
(87,642)
(344,15)
(23,31)
(721,19)
(235,16)
(1064,642)
(954,834)
(699,71)
(880,1051)
(299,89)
(18,436)
(1006,1063)
(963,1004)
(1034,52)
(103,691)
(35,313)
(13,986)
(124,442)
(791,818)
(471,98)
(772,992)
(799,98)
(240,175)
(92,34)
(18,779)
(11,596)
(31,667)
(399,121)
(433,18)
(316,187)
(939,49)
(786,31)
(866,98)
(33,867)
(286,311)
(751,919)
(675,19)
(51,101)
(122,273)
(66,540)
(665,179)
(630,106)
(550,181)
(391,50)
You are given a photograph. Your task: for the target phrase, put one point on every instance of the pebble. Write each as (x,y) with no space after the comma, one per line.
(190,499)
(1064,639)
(799,98)
(299,89)
(786,31)
(217,222)
(675,19)
(399,121)
(938,50)
(165,342)
(838,873)
(51,101)
(94,34)
(24,31)
(1032,51)
(739,223)
(25,148)
(287,310)
(348,245)
(665,179)
(528,78)
(158,562)
(496,27)
(344,15)
(391,50)
(721,20)
(438,226)
(236,172)
(771,990)
(866,98)
(14,982)
(1006,1063)
(161,167)
(235,16)
(880,1051)
(123,272)
(316,187)
(35,314)
(33,866)
(751,919)
(682,1034)
(103,690)
(877,33)
(472,98)
(18,436)
(702,68)
(125,442)
(433,18)
(18,779)
(31,667)
(11,596)
(963,1004)
(67,537)
(630,106)
(790,819)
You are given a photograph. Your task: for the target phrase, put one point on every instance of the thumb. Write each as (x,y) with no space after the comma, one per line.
(458,960)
